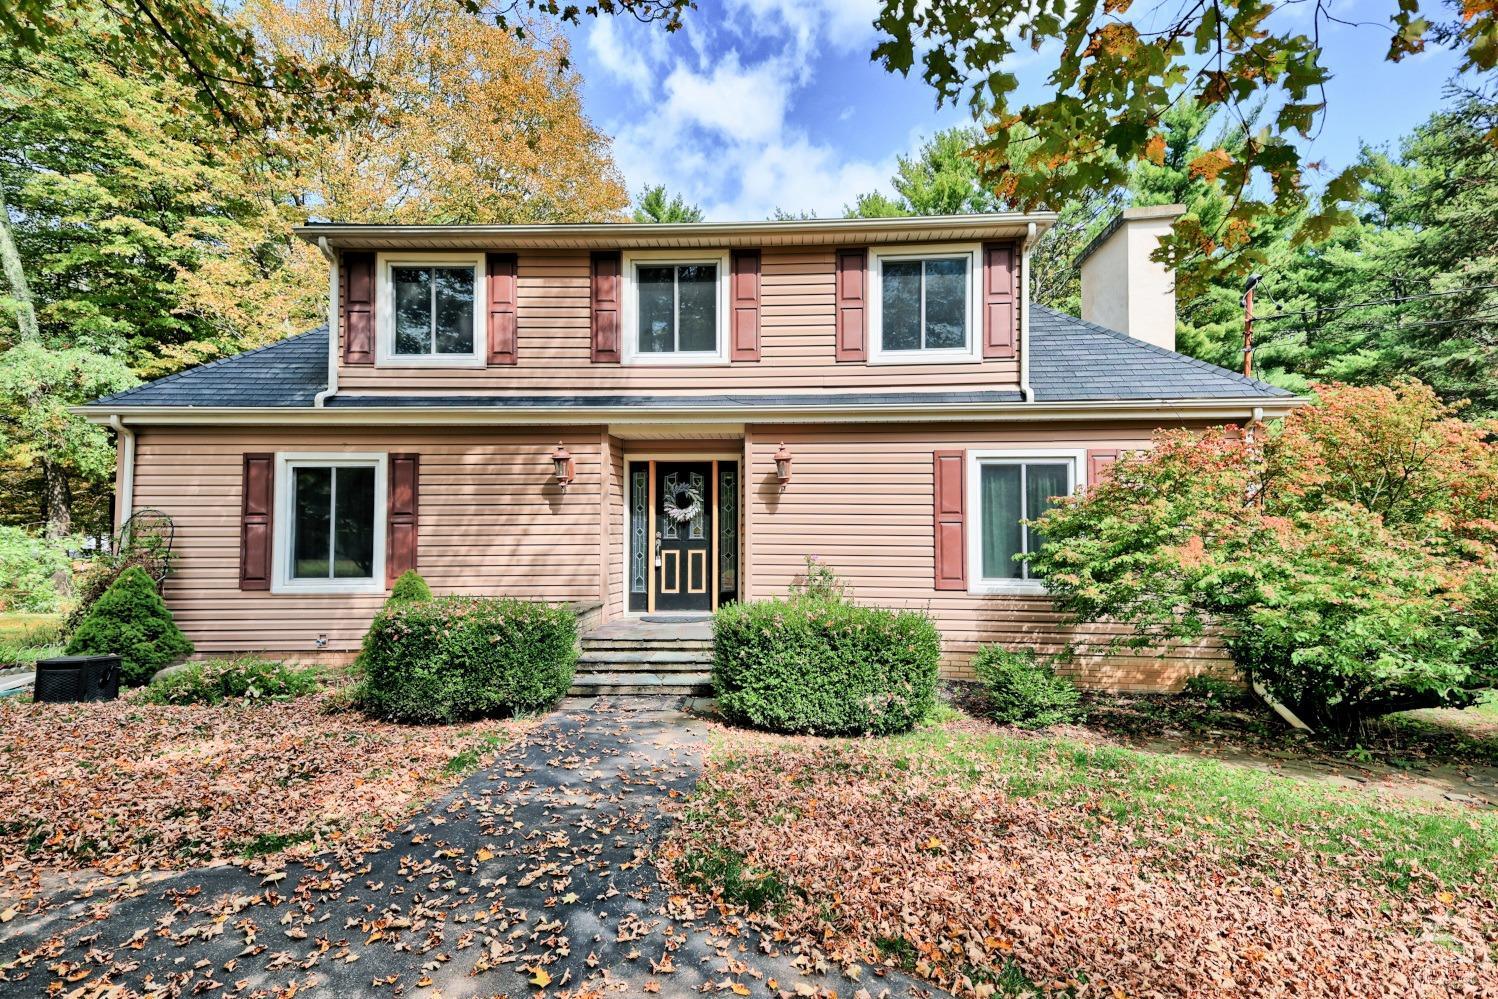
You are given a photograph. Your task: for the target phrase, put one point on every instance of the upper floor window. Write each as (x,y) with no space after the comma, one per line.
(330,523)
(429,309)
(923,304)
(1005,490)
(674,305)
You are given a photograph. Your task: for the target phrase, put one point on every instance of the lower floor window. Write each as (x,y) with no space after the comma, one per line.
(333,521)
(1009,493)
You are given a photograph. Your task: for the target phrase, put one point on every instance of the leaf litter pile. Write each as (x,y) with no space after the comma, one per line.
(119,788)
(991,865)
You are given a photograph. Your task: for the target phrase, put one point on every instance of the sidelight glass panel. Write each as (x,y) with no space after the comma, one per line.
(946,304)
(1002,503)
(900,304)
(311,504)
(656,287)
(353,523)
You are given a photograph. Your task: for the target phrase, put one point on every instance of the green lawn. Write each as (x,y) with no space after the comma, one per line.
(25,638)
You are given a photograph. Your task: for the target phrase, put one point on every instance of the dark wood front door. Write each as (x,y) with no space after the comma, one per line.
(685,536)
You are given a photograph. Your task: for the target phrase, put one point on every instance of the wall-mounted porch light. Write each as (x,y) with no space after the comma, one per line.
(783,465)
(561,463)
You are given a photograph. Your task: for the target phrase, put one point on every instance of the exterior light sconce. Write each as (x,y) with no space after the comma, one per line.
(561,463)
(783,466)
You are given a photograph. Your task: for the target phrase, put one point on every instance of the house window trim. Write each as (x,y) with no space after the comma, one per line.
(973,352)
(385,355)
(281,555)
(630,308)
(1076,458)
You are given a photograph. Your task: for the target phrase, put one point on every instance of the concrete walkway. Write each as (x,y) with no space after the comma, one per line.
(531,878)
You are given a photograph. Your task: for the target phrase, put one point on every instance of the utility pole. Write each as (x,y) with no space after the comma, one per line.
(1248,323)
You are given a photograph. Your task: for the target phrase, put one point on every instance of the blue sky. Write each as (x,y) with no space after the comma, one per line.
(759,104)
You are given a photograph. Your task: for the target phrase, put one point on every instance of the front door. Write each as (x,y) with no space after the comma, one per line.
(684,536)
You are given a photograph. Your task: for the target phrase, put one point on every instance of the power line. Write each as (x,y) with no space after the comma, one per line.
(1284,333)
(1397,300)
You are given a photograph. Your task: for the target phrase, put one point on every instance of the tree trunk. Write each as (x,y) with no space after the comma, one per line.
(15,277)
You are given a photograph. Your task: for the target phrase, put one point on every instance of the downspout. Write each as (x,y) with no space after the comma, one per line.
(1024,315)
(124,502)
(319,400)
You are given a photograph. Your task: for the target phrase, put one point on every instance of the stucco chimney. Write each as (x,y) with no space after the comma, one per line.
(1122,288)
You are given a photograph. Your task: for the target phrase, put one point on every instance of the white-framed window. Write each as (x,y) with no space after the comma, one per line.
(330,523)
(925,304)
(429,309)
(675,307)
(1006,488)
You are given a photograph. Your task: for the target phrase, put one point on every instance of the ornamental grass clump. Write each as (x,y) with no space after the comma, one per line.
(456,658)
(130,620)
(823,665)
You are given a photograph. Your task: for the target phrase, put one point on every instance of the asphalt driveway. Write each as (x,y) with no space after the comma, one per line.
(531,878)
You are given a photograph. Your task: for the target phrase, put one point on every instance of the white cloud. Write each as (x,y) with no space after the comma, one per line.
(713,115)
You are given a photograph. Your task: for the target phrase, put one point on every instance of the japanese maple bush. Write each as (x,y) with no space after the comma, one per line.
(1348,554)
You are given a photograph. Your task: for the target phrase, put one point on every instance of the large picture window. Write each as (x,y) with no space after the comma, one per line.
(923,305)
(331,523)
(1006,491)
(674,308)
(429,310)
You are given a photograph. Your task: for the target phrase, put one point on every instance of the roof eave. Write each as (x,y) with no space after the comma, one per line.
(1227,409)
(619,235)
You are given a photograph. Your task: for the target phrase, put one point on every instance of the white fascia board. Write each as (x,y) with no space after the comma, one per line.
(1168,410)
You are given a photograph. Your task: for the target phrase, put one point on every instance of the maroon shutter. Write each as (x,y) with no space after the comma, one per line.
(998,300)
(256,503)
(502,295)
(949,469)
(401,527)
(852,339)
(358,286)
(606,292)
(1100,464)
(744,290)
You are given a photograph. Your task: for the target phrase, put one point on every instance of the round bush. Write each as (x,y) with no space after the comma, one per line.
(824,666)
(130,620)
(1023,690)
(455,658)
(410,586)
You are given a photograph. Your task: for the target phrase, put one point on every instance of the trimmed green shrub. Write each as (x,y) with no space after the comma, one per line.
(410,586)
(1023,689)
(824,666)
(216,681)
(131,621)
(453,658)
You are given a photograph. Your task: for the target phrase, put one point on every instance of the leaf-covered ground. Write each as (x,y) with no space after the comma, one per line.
(992,863)
(122,787)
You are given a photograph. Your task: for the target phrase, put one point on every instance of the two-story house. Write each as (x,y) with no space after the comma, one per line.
(651,419)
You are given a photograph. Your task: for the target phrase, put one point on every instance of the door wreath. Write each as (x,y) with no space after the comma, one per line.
(684,504)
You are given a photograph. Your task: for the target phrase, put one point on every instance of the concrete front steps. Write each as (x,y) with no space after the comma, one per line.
(630,656)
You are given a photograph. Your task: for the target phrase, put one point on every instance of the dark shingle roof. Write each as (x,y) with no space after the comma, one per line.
(288,373)
(1071,361)
(1076,361)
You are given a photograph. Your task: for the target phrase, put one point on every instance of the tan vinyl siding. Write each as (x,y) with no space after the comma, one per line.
(617,505)
(492,521)
(796,344)
(860,500)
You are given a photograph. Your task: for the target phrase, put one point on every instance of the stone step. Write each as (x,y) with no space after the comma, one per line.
(684,644)
(595,684)
(643,656)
